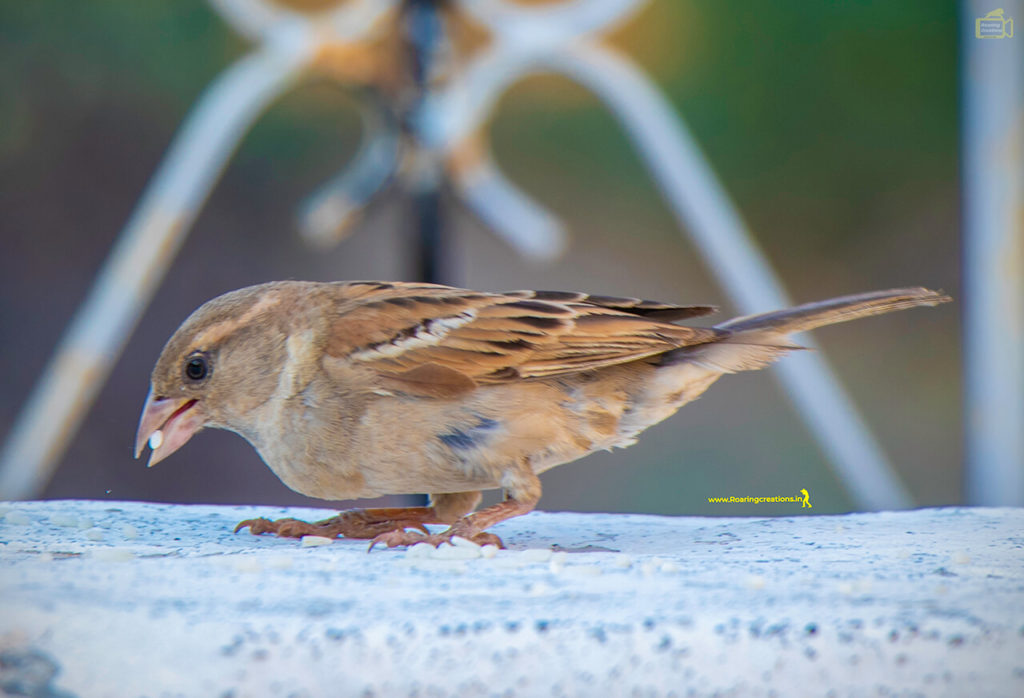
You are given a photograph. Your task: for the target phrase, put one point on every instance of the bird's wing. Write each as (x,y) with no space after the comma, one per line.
(652,310)
(438,340)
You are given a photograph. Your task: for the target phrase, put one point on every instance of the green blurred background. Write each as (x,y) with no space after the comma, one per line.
(832,125)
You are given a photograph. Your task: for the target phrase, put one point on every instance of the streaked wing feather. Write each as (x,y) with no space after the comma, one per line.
(653,310)
(438,341)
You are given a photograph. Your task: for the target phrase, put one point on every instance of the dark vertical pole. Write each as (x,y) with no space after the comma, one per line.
(427,205)
(424,30)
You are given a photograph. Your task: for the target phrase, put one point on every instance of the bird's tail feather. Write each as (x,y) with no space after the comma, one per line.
(755,341)
(811,315)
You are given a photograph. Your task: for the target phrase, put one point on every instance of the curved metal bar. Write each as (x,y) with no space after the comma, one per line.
(549,23)
(258,19)
(357,19)
(327,215)
(253,19)
(139,260)
(523,223)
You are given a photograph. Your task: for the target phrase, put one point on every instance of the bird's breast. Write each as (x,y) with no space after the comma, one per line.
(334,445)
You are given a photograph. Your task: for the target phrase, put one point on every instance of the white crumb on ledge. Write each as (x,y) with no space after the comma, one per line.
(17,518)
(63,519)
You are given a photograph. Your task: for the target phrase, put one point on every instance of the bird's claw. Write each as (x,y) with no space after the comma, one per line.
(255,526)
(284,528)
(401,537)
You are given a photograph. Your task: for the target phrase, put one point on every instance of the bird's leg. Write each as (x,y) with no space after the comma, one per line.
(523,492)
(369,523)
(355,523)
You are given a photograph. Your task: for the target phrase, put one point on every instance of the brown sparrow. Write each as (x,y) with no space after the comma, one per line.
(367,388)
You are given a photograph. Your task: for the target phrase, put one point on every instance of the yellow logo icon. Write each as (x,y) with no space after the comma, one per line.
(994,26)
(807,499)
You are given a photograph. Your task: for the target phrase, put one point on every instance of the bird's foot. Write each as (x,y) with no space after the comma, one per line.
(285,528)
(400,537)
(471,527)
(356,523)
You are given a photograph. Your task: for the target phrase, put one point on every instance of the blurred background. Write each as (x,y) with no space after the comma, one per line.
(833,126)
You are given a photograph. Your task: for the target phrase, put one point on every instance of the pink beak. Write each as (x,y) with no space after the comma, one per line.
(166,425)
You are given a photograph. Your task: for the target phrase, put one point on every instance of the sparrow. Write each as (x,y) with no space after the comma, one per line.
(365,388)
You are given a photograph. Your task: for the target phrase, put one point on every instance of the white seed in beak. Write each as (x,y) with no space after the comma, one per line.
(156,439)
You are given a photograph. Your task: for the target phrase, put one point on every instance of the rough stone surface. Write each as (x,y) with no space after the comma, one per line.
(133,599)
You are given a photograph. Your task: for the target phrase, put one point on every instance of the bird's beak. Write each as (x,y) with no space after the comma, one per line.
(166,424)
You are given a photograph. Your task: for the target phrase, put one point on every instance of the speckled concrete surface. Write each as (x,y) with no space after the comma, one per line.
(132,599)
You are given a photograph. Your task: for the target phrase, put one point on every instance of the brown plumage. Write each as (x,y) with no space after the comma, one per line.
(367,388)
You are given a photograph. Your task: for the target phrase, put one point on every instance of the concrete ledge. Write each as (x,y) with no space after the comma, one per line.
(133,599)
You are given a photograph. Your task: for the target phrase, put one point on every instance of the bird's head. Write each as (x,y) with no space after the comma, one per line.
(222,362)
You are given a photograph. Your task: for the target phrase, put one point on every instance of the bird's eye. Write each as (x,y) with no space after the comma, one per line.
(196,368)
